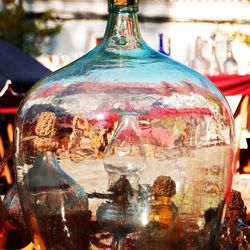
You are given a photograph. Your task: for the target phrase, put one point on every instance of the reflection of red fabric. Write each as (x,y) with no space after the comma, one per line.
(232,85)
(157,112)
(104,119)
(128,135)
(8,110)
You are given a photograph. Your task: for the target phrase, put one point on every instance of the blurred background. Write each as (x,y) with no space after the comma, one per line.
(75,26)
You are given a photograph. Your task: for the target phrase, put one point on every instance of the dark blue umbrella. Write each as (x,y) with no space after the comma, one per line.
(18,73)
(21,69)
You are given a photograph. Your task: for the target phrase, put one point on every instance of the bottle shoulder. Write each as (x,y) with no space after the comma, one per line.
(104,65)
(104,71)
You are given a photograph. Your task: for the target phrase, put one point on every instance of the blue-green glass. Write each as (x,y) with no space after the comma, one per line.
(124,148)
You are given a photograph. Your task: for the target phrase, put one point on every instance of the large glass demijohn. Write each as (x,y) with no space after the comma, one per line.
(124,148)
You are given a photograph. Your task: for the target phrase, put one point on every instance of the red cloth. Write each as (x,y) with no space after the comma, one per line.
(8,110)
(233,84)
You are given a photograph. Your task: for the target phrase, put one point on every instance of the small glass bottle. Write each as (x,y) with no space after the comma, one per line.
(56,206)
(230,65)
(200,63)
(214,67)
(163,209)
(162,229)
(125,154)
(161,45)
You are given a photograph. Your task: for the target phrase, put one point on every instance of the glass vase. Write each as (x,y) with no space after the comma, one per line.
(122,146)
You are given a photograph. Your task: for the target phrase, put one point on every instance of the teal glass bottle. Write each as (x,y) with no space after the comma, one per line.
(125,147)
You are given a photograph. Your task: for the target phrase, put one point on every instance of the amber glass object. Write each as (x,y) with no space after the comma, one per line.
(123,146)
(18,237)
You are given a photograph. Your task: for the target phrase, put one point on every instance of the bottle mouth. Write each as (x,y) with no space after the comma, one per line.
(123,5)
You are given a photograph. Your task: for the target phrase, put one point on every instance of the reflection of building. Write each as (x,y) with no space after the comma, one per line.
(181,20)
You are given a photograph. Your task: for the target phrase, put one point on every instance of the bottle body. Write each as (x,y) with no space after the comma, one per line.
(230,65)
(55,206)
(200,63)
(124,103)
(214,64)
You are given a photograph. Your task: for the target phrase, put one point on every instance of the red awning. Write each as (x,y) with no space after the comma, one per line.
(233,84)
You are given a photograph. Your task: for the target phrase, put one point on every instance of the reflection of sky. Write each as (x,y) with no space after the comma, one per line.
(76,100)
(87,102)
(142,65)
(139,67)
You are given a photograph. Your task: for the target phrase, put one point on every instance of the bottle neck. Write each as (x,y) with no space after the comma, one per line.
(229,50)
(161,41)
(122,31)
(161,46)
(198,47)
(213,46)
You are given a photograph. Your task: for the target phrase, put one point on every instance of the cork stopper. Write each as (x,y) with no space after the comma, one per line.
(123,5)
(164,186)
(45,131)
(46,125)
(121,2)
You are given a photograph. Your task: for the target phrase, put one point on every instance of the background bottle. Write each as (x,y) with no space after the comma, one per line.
(161,45)
(200,63)
(230,65)
(214,67)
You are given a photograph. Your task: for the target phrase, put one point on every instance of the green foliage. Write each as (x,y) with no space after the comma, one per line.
(31,36)
(245,38)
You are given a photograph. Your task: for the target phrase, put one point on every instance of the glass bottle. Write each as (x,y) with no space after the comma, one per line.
(200,63)
(214,64)
(161,45)
(162,217)
(230,64)
(125,154)
(124,162)
(54,205)
(125,111)
(57,206)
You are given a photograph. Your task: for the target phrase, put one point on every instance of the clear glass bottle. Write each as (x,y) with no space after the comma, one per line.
(230,65)
(200,63)
(94,136)
(214,64)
